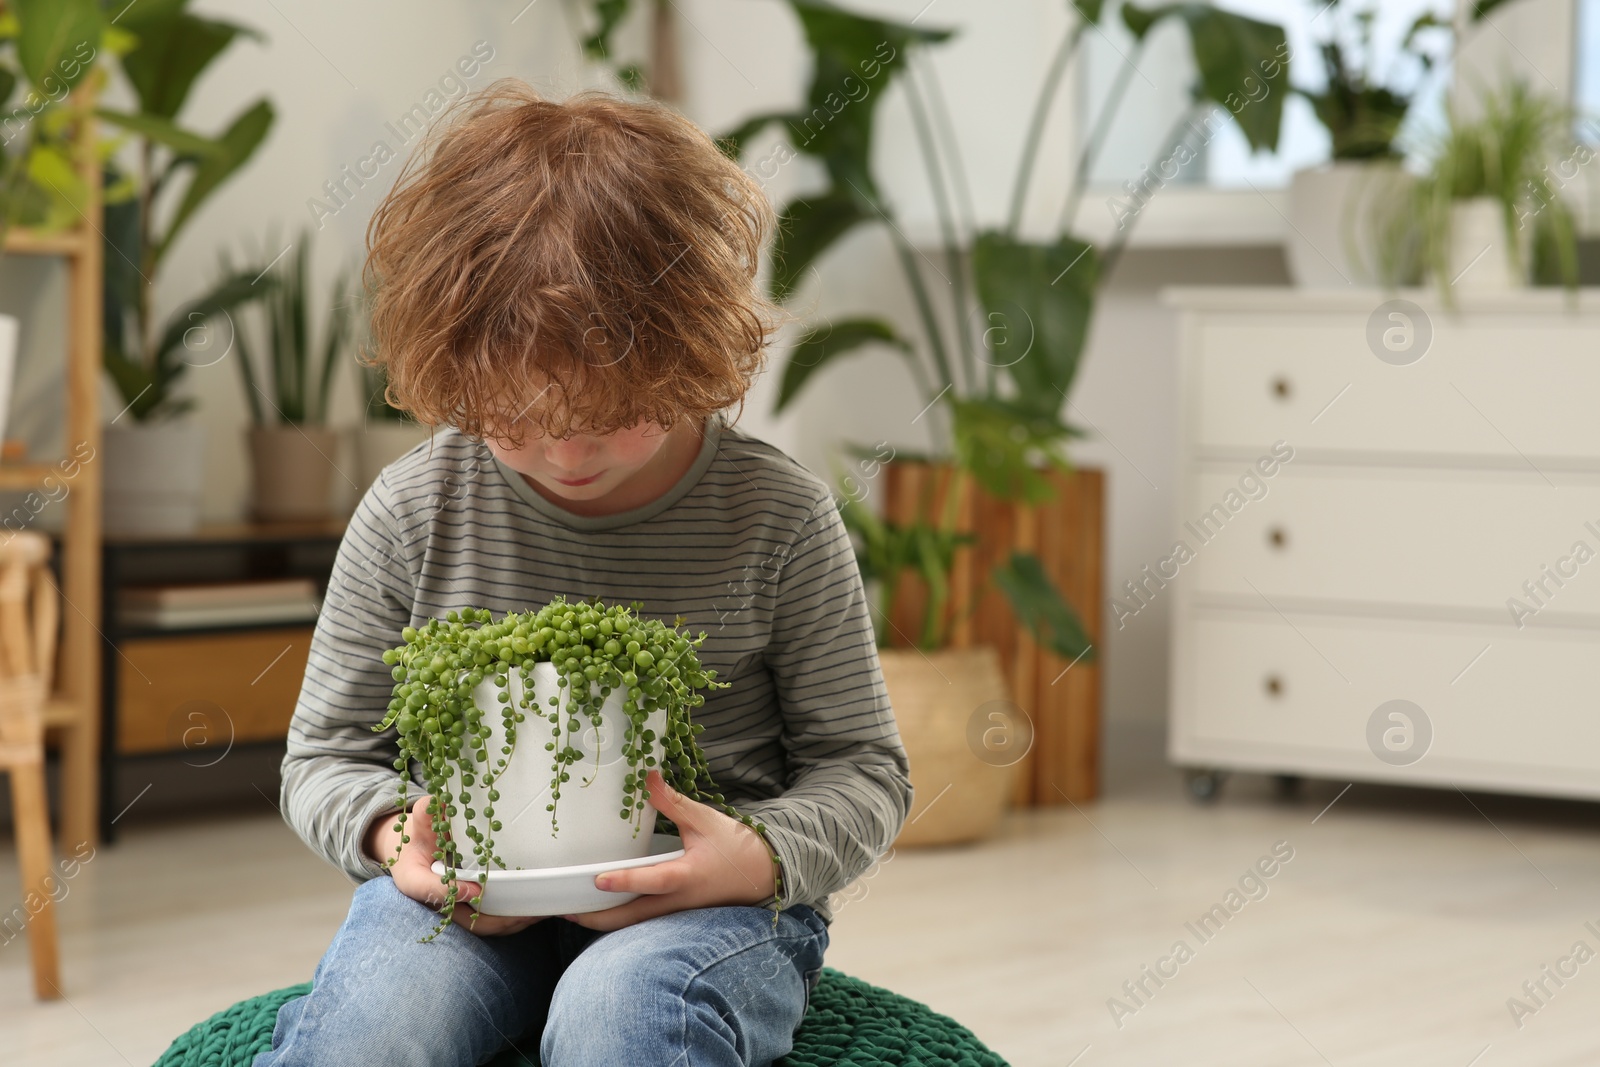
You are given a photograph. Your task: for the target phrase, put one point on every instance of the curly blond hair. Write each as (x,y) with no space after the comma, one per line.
(597,248)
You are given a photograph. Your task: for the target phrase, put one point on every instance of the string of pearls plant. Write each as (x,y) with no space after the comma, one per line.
(596,649)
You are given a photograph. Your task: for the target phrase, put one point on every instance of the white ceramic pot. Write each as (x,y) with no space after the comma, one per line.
(379,444)
(1480,253)
(292,472)
(589,827)
(10,328)
(154,475)
(1335,218)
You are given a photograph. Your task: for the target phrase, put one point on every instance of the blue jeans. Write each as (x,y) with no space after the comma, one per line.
(709,986)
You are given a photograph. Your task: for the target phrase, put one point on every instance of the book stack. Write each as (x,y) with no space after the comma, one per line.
(201,604)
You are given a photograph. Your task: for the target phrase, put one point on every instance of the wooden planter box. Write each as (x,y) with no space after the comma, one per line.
(1062,699)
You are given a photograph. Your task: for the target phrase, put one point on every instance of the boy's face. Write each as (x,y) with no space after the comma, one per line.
(583,467)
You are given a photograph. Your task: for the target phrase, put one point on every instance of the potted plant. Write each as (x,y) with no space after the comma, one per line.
(292,448)
(1330,242)
(608,694)
(1342,225)
(50,74)
(154,453)
(46,52)
(1000,379)
(1489,210)
(386,433)
(1001,430)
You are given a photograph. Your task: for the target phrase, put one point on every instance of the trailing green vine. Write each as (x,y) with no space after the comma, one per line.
(596,649)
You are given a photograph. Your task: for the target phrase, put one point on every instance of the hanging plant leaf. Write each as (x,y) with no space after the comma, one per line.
(56,43)
(50,169)
(162,131)
(856,59)
(824,341)
(1243,63)
(239,142)
(1002,442)
(1088,10)
(1038,299)
(134,382)
(734,141)
(1482,8)
(1040,606)
(610,14)
(805,230)
(174,47)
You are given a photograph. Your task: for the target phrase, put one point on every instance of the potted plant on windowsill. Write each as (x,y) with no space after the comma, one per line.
(292,449)
(1490,212)
(605,693)
(154,452)
(1346,226)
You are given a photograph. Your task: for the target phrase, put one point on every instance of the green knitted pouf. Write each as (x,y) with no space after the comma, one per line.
(849,1022)
(233,1036)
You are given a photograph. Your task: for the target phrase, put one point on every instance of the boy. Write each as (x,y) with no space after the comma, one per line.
(567,290)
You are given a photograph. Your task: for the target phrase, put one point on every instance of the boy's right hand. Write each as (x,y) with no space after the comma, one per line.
(413,873)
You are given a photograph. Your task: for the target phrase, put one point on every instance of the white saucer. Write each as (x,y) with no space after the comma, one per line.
(561,890)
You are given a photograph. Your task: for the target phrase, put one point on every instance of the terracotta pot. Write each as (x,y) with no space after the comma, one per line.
(588,825)
(963,736)
(154,476)
(292,473)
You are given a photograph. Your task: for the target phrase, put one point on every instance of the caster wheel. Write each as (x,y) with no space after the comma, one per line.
(1204,785)
(1287,786)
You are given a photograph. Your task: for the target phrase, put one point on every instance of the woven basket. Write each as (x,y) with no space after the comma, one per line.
(936,697)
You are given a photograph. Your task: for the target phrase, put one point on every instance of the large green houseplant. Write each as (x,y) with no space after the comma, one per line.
(1001,418)
(1004,424)
(154,453)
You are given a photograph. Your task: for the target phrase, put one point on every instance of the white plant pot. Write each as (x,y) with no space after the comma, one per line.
(590,827)
(1480,254)
(1333,239)
(379,444)
(10,328)
(154,474)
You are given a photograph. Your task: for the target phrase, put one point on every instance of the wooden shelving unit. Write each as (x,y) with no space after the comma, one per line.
(72,714)
(199,692)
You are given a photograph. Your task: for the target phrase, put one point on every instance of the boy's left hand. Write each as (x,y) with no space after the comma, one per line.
(724,862)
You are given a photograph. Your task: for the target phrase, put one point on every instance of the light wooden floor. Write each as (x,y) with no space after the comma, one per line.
(1394,936)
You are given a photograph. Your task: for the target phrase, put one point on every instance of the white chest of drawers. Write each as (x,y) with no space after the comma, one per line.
(1428,531)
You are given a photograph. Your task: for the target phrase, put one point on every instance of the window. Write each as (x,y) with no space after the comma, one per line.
(1159,88)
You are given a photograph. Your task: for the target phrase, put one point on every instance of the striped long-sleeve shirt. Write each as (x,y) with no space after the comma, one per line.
(748,546)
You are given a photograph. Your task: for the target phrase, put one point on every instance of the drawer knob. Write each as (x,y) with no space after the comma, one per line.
(1277,537)
(1274,685)
(1280,388)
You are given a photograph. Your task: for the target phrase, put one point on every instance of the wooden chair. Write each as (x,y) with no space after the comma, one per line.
(29,612)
